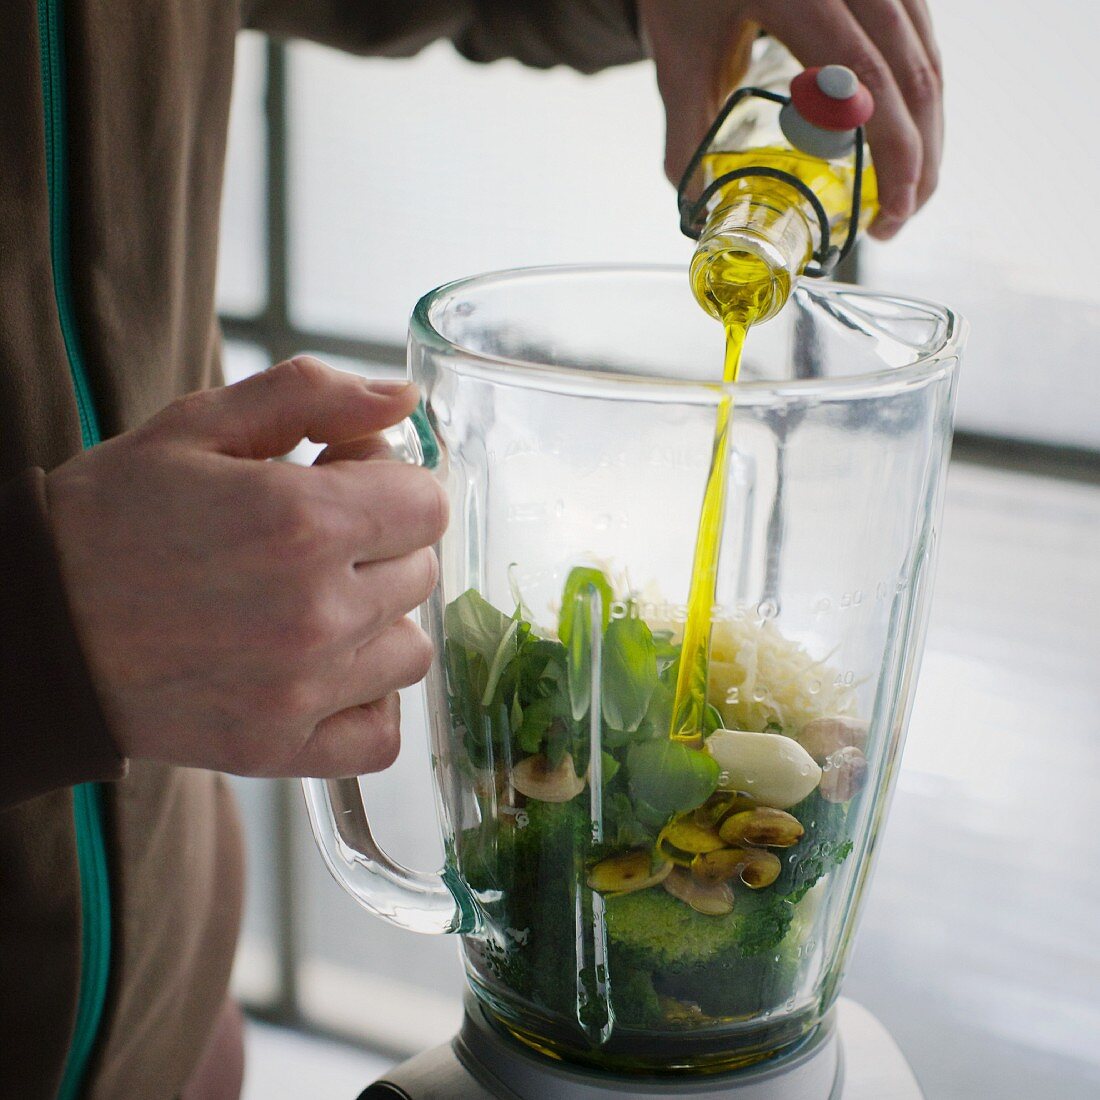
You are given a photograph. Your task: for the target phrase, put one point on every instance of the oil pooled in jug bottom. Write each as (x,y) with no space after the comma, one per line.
(717,1045)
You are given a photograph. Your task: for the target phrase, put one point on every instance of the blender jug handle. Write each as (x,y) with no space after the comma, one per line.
(433,902)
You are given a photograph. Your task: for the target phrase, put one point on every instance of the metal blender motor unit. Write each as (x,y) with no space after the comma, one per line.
(842,1053)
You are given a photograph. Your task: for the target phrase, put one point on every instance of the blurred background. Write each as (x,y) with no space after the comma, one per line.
(355,186)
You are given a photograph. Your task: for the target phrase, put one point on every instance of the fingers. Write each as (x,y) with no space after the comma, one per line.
(391,589)
(922,23)
(361,739)
(361,730)
(828,33)
(397,658)
(889,43)
(355,450)
(270,413)
(388,508)
(891,27)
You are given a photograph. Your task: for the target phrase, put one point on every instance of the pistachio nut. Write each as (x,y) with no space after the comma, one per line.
(714,900)
(669,851)
(683,833)
(711,868)
(761,868)
(534,777)
(769,767)
(763,826)
(844,775)
(755,867)
(627,872)
(719,806)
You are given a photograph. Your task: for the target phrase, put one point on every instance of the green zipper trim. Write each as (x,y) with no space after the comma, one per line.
(51,47)
(91,849)
(95,907)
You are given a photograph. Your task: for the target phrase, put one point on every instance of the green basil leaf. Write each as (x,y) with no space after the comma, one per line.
(609,766)
(467,674)
(557,742)
(612,738)
(473,623)
(658,719)
(629,673)
(668,651)
(649,816)
(622,829)
(583,586)
(578,666)
(506,650)
(712,720)
(669,777)
(537,717)
(579,581)
(537,665)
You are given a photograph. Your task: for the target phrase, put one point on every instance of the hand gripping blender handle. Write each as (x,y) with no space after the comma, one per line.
(434,902)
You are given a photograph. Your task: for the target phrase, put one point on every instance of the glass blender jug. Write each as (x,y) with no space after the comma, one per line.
(625,903)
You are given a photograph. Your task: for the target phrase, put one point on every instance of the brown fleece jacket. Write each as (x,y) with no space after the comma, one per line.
(147,99)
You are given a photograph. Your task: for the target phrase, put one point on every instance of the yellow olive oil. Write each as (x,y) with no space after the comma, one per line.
(830,181)
(740,286)
(759,237)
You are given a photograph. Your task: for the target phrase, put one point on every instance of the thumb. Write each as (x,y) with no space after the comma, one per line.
(270,413)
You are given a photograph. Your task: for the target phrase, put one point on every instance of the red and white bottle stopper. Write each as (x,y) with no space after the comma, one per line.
(827,105)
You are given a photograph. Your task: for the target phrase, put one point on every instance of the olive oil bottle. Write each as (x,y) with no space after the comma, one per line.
(765,216)
(760,231)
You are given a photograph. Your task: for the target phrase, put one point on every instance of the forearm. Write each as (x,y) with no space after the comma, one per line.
(587,35)
(52,733)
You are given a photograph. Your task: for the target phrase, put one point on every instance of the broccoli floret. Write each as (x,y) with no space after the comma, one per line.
(634,999)
(661,931)
(766,921)
(732,985)
(725,965)
(825,846)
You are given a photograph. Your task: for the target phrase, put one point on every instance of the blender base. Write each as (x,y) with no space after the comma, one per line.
(852,1057)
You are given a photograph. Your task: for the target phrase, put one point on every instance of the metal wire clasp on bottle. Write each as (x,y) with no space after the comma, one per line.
(693,212)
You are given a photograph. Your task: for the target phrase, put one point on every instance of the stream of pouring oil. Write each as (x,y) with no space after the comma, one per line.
(737,288)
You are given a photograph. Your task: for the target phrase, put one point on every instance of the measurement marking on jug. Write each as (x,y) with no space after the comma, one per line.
(884,590)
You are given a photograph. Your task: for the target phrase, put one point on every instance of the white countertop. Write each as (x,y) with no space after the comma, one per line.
(980,944)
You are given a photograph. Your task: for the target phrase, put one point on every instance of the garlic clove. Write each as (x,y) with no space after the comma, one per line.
(769,767)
